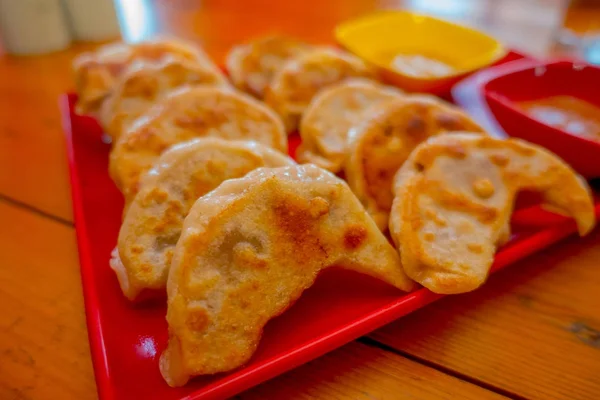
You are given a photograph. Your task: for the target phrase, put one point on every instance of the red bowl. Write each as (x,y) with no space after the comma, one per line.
(529,80)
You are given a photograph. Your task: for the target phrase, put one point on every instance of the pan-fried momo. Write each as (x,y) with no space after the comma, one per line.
(249,249)
(97,72)
(301,77)
(380,145)
(252,66)
(154,218)
(185,114)
(453,201)
(143,84)
(332,112)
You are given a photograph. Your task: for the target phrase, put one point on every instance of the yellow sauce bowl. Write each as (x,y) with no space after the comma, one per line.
(378,38)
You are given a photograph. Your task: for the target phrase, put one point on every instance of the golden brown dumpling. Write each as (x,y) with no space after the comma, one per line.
(252,66)
(454,197)
(300,78)
(332,112)
(249,249)
(185,114)
(143,84)
(180,176)
(96,72)
(382,142)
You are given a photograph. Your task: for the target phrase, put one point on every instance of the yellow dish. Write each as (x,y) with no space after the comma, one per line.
(416,52)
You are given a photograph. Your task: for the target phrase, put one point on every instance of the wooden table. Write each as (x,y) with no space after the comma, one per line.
(533,331)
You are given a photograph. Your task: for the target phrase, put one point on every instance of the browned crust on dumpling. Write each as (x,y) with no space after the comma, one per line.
(300,78)
(379,146)
(179,177)
(249,249)
(332,112)
(453,201)
(185,114)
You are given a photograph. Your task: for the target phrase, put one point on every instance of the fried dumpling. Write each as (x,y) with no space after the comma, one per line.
(453,201)
(332,112)
(249,249)
(300,78)
(252,66)
(180,176)
(143,84)
(96,72)
(382,142)
(187,113)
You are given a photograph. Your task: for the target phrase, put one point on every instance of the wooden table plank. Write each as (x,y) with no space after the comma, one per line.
(533,330)
(358,371)
(44,352)
(33,164)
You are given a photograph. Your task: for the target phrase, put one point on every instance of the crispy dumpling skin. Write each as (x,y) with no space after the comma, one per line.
(143,84)
(97,72)
(300,78)
(383,141)
(453,201)
(180,176)
(332,112)
(184,114)
(251,66)
(249,249)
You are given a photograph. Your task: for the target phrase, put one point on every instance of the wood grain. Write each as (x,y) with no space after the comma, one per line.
(33,164)
(361,372)
(44,352)
(533,330)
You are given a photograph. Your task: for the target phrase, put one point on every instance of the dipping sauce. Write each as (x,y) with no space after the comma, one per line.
(570,114)
(421,66)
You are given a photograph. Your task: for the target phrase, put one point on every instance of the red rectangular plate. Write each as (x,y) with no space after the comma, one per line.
(126,340)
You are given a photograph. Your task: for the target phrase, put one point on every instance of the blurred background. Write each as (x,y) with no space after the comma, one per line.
(538,27)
